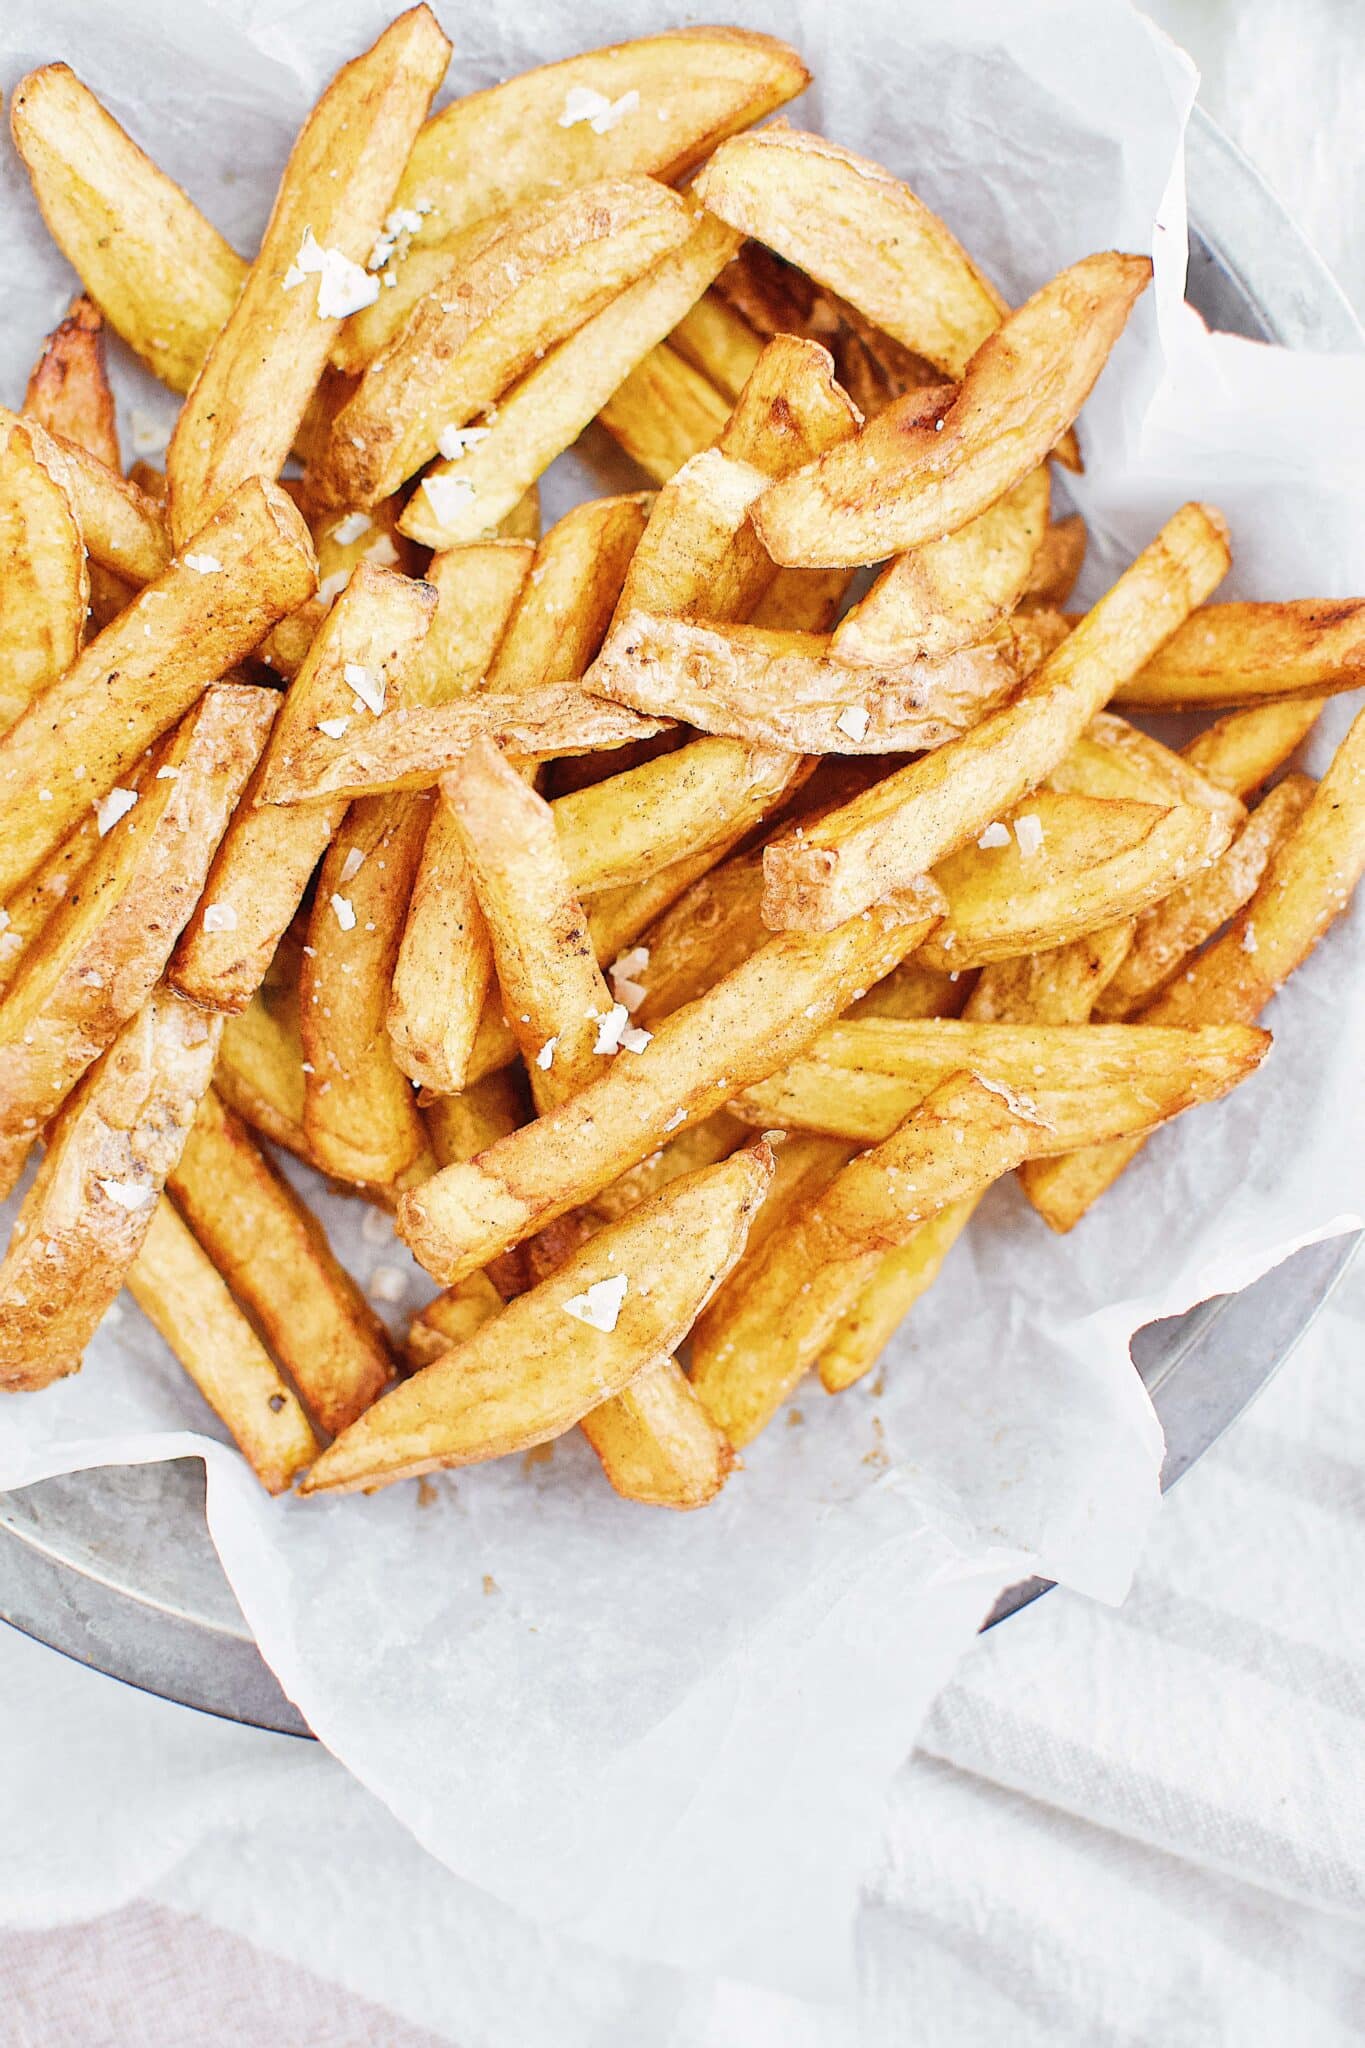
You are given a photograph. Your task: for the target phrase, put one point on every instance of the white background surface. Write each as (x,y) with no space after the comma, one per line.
(983,1924)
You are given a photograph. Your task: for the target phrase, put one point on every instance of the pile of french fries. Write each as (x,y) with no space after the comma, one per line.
(677,949)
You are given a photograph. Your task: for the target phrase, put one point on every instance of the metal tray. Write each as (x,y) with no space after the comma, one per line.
(114,1567)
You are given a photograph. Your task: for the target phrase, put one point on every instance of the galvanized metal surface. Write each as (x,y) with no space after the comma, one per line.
(114,1567)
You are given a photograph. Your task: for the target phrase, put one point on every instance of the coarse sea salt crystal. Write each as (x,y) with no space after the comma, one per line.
(109,809)
(635,1038)
(1028,831)
(382,551)
(343,287)
(369,691)
(126,1194)
(351,866)
(994,835)
(545,1058)
(331,587)
(610,1025)
(345,913)
(219,917)
(679,1116)
(202,565)
(448,496)
(350,528)
(454,442)
(387,1283)
(853,721)
(599,1306)
(581,103)
(333,727)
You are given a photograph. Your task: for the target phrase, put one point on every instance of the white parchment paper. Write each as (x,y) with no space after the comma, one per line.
(670,1735)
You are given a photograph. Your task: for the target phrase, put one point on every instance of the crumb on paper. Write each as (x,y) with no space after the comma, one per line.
(109,809)
(377,1227)
(350,528)
(490,1585)
(600,1305)
(345,912)
(368,688)
(149,436)
(387,1283)
(454,442)
(219,917)
(994,835)
(854,722)
(581,103)
(1028,830)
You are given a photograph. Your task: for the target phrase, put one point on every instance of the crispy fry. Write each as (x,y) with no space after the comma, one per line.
(181,1292)
(904,481)
(262,867)
(1305,887)
(1057,564)
(130,684)
(538,1368)
(910,820)
(751,1347)
(702,1145)
(717,342)
(711,929)
(1060,985)
(558,261)
(274,1255)
(123,530)
(83,1220)
(802,600)
(663,412)
(657,1444)
(547,411)
(901,1277)
(68,391)
(706,794)
(1243,749)
(45,589)
(565,606)
(461,1126)
(260,1060)
(749,1024)
(102,951)
(248,400)
(915,990)
(1240,653)
(30,907)
(163,278)
(1113,759)
(948,593)
(451,1318)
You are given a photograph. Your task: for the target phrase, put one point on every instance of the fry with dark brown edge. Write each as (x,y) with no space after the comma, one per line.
(260,1059)
(902,1276)
(122,527)
(1240,653)
(539,1367)
(45,590)
(663,412)
(1057,564)
(565,606)
(1244,748)
(716,341)
(68,389)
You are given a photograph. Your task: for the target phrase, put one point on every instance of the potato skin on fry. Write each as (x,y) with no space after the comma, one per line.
(45,591)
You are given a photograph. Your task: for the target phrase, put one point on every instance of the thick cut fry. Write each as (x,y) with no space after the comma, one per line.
(915,990)
(274,1255)
(541,1365)
(547,411)
(802,600)
(257,881)
(904,824)
(69,392)
(1061,985)
(1176,927)
(1081,1082)
(554,996)
(45,589)
(711,929)
(715,340)
(29,909)
(1102,862)
(247,402)
(752,1022)
(1115,761)
(123,529)
(451,1318)
(83,1220)
(902,1276)
(565,606)
(791,411)
(360,1113)
(181,1292)
(548,130)
(461,1126)
(1057,564)
(657,1444)
(1244,749)
(1239,653)
(663,412)
(752,1346)
(101,953)
(627,827)
(1304,889)
(904,482)
(702,1145)
(260,1060)
(557,263)
(858,230)
(791,689)
(146,669)
(163,278)
(948,593)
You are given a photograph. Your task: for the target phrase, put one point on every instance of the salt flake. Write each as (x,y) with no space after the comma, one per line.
(109,809)
(343,287)
(126,1194)
(351,866)
(202,565)
(448,497)
(994,835)
(454,442)
(853,721)
(581,103)
(350,528)
(369,690)
(345,913)
(333,727)
(1029,832)
(219,917)
(545,1058)
(599,1306)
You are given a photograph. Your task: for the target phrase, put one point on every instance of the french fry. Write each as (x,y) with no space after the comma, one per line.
(102,951)
(181,1292)
(450,1319)
(273,1253)
(901,484)
(1057,564)
(860,1080)
(907,822)
(557,262)
(1305,887)
(915,990)
(749,1024)
(247,402)
(663,412)
(791,689)
(68,390)
(1060,985)
(123,530)
(146,669)
(902,1276)
(29,909)
(1244,748)
(754,1343)
(858,230)
(83,1220)
(1090,864)
(948,593)
(461,1126)
(45,591)
(163,278)
(791,410)
(712,928)
(262,868)
(1171,930)
(546,132)
(702,1145)
(802,600)
(260,1059)
(564,608)
(1242,653)
(704,795)
(547,411)
(539,1367)
(1114,759)
(717,342)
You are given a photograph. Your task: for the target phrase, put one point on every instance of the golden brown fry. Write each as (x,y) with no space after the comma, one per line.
(181,1292)
(1243,749)
(791,410)
(451,1318)
(260,1060)
(461,1126)
(915,990)
(123,530)
(1241,653)
(753,1021)
(30,907)
(163,278)
(907,822)
(657,1444)
(711,929)
(792,690)
(901,1277)
(83,1220)
(751,1347)
(948,593)
(105,945)
(262,868)
(1113,759)
(541,1366)
(565,606)
(902,483)
(702,1145)
(146,669)
(1089,864)
(248,400)
(802,600)
(273,1254)
(1305,887)
(547,411)
(717,342)
(663,412)
(1061,985)
(524,139)
(68,391)
(45,588)
(1057,564)
(557,262)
